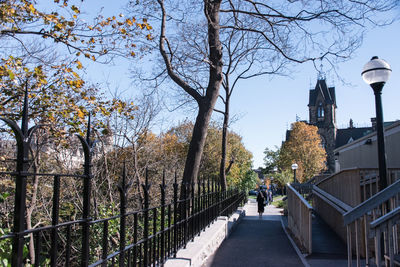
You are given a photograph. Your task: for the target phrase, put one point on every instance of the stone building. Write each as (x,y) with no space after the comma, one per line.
(322,113)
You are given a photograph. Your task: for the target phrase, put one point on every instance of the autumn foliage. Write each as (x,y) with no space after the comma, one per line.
(48,48)
(304,148)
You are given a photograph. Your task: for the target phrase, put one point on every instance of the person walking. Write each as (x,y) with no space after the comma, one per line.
(270,196)
(265,195)
(260,203)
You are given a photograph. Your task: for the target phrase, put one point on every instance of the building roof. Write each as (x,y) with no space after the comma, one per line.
(348,135)
(345,136)
(328,93)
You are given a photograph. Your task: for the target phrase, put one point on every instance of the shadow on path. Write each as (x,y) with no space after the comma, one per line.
(256,242)
(328,249)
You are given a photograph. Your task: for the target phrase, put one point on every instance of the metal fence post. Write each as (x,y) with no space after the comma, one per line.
(203,206)
(23,138)
(87,145)
(162,188)
(184,213)
(208,202)
(192,206)
(146,188)
(175,216)
(55,213)
(198,211)
(123,191)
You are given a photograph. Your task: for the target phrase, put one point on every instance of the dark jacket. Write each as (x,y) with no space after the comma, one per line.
(260,201)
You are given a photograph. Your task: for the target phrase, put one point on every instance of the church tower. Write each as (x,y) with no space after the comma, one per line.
(322,113)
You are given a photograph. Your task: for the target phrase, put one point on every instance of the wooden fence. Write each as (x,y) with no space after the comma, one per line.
(299,218)
(341,193)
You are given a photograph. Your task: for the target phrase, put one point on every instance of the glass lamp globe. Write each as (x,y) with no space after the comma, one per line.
(376,71)
(294,166)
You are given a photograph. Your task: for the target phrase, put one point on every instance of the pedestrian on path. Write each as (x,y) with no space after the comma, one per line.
(270,197)
(260,202)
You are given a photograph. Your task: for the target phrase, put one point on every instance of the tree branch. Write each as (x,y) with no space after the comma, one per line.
(185,86)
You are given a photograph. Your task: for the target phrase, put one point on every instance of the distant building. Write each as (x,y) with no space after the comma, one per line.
(322,113)
(363,152)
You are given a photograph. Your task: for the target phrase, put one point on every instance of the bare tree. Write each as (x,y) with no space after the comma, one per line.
(191,49)
(243,60)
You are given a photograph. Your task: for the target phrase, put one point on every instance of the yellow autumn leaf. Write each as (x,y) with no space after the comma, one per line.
(78,64)
(31,8)
(81,114)
(129,22)
(75,9)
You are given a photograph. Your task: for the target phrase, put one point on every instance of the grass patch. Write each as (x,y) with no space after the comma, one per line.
(279,203)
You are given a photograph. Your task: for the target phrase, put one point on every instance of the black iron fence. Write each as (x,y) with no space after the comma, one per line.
(132,238)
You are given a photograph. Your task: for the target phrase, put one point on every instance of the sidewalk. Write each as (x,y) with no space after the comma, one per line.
(328,249)
(256,242)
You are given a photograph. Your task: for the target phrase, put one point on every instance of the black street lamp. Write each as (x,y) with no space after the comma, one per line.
(376,73)
(294,168)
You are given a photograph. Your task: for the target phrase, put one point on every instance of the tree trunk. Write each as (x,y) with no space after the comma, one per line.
(196,145)
(222,172)
(207,102)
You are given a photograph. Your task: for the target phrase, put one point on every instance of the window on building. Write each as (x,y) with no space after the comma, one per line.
(323,142)
(320,110)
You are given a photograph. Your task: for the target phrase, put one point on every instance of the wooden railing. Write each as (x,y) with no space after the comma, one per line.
(369,222)
(353,186)
(387,224)
(299,218)
(344,185)
(331,210)
(363,218)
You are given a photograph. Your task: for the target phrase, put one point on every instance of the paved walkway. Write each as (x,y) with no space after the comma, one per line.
(328,249)
(256,242)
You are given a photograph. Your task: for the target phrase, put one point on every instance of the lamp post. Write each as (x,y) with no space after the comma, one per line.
(294,168)
(376,73)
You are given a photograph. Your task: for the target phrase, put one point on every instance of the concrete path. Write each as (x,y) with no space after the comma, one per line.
(256,242)
(328,249)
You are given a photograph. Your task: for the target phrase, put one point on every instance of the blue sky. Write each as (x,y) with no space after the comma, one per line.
(266,107)
(270,106)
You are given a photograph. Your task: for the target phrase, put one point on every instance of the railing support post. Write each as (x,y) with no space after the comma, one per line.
(162,188)
(175,216)
(146,188)
(123,191)
(23,138)
(87,145)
